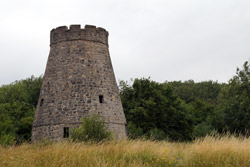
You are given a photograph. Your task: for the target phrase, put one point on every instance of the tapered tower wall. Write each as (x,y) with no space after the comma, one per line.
(79,80)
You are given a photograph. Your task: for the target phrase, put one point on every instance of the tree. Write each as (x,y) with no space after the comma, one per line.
(151,107)
(17,105)
(206,91)
(203,116)
(235,101)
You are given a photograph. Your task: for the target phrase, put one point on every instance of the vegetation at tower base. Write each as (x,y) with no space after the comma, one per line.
(215,107)
(93,129)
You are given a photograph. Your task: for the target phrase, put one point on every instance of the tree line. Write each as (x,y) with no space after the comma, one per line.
(177,111)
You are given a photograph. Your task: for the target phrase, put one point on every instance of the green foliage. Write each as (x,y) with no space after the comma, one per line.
(200,110)
(150,105)
(134,131)
(203,128)
(174,110)
(7,139)
(156,134)
(206,91)
(235,102)
(17,105)
(93,129)
(202,114)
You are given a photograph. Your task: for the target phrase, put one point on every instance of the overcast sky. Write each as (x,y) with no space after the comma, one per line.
(164,39)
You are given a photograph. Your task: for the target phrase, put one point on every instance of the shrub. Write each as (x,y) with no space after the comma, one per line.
(133,131)
(7,139)
(156,134)
(93,129)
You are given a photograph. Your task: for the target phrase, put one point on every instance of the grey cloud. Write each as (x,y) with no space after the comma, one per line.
(164,39)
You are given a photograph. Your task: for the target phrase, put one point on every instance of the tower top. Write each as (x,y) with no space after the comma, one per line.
(75,32)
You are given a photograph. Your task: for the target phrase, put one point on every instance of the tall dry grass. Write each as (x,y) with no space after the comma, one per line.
(208,152)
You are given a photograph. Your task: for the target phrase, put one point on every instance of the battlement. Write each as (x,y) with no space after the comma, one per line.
(75,32)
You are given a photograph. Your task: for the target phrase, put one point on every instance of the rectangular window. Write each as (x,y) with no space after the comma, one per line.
(41,103)
(101,98)
(66,132)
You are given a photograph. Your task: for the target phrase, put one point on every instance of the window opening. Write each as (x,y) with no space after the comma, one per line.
(101,98)
(66,132)
(41,102)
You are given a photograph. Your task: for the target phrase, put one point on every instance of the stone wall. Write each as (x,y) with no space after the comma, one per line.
(79,80)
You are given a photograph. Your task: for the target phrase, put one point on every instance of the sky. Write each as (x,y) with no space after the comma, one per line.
(166,40)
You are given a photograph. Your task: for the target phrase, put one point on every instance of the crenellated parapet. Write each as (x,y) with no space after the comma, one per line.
(75,32)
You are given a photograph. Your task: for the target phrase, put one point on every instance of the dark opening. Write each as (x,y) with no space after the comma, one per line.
(101,98)
(66,132)
(41,102)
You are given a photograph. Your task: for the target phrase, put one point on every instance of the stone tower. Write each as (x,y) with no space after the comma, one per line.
(79,80)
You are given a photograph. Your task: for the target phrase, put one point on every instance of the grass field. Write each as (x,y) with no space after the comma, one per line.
(208,152)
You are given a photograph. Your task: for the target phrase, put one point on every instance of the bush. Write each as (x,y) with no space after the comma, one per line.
(204,128)
(156,134)
(93,129)
(7,139)
(133,131)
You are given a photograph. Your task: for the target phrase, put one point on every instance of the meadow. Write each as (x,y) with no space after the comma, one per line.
(226,151)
